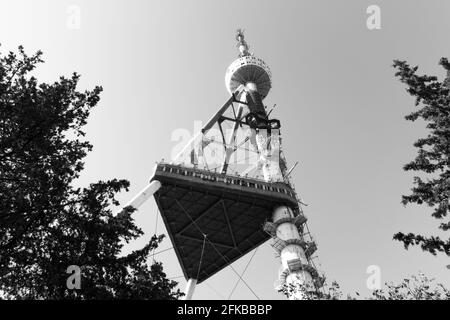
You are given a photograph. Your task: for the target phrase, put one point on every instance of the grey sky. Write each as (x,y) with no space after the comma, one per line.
(162,66)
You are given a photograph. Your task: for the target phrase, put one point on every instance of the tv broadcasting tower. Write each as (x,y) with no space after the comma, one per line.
(288,222)
(229,189)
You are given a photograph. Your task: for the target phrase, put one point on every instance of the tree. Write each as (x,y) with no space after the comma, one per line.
(297,291)
(47,224)
(418,287)
(433,158)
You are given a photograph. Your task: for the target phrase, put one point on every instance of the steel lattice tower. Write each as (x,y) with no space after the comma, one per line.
(229,190)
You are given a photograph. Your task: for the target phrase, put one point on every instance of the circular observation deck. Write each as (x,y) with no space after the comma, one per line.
(249,69)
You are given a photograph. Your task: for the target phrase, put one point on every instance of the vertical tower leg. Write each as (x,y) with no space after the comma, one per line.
(292,248)
(190,287)
(142,196)
(296,270)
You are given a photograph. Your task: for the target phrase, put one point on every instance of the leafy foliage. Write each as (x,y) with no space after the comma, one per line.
(418,287)
(433,158)
(46,224)
(297,291)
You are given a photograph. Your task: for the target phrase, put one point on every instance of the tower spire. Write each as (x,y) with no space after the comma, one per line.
(242,44)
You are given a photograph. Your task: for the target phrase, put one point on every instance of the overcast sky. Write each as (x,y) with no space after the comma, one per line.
(162,66)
